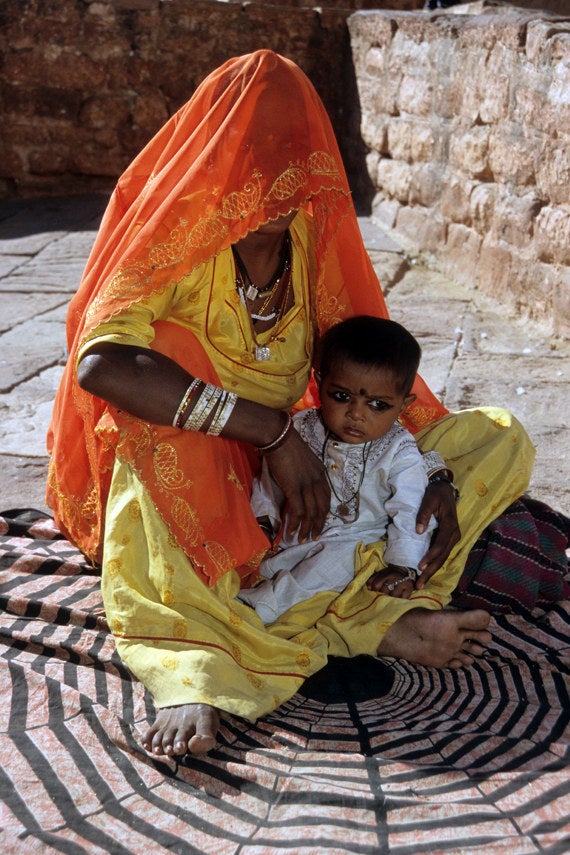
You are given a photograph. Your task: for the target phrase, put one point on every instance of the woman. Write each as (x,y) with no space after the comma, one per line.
(229,243)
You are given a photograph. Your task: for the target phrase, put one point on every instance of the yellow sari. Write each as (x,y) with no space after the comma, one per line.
(168,510)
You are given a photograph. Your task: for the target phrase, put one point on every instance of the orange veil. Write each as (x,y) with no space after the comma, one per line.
(253,143)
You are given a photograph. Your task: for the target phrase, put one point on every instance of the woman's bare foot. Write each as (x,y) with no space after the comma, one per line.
(442,639)
(188,728)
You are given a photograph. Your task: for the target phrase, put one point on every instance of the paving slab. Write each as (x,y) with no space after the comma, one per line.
(23,482)
(29,348)
(16,307)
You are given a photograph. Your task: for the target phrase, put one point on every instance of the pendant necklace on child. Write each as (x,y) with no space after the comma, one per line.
(343,510)
(274,304)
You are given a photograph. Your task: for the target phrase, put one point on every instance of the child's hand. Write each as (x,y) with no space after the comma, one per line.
(393,581)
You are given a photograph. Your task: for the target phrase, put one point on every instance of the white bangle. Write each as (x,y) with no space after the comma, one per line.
(223,411)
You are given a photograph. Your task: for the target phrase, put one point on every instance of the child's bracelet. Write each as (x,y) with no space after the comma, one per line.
(439,476)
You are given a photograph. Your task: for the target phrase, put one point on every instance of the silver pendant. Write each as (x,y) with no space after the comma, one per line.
(262,354)
(251,292)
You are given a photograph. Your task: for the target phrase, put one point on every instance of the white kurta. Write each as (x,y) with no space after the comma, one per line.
(380,483)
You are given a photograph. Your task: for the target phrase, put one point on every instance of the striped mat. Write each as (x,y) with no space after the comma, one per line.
(372,757)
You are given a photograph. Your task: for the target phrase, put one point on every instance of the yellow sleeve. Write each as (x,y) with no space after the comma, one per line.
(133,326)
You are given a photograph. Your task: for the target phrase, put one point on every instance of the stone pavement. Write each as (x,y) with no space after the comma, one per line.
(473,353)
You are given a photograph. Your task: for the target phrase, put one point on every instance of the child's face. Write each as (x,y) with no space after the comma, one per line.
(359,404)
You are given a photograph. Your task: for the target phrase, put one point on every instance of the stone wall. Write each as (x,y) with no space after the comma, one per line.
(467,121)
(86,83)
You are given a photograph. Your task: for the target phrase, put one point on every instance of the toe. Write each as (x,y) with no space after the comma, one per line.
(201,743)
(460,660)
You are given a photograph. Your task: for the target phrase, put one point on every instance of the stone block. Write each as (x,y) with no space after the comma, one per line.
(423,227)
(415,96)
(394,178)
(561,303)
(512,155)
(460,254)
(373,129)
(411,46)
(467,100)
(426,185)
(455,200)
(378,98)
(97,158)
(532,294)
(529,98)
(553,172)
(514,218)
(385,210)
(494,269)
(39,100)
(106,111)
(150,112)
(399,134)
(469,151)
(426,143)
(44,162)
(410,140)
(495,85)
(482,203)
(552,237)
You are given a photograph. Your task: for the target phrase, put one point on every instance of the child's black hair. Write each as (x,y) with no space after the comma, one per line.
(373,342)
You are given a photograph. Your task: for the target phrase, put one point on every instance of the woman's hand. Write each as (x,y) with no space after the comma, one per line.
(301,476)
(439,500)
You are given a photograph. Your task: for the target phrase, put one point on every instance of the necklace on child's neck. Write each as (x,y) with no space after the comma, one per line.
(343,510)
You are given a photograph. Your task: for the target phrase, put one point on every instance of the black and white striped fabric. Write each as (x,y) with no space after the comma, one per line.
(372,757)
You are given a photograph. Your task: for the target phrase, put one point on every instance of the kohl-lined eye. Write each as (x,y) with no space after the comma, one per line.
(341,397)
(379,406)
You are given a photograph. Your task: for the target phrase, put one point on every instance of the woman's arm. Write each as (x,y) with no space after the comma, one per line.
(150,386)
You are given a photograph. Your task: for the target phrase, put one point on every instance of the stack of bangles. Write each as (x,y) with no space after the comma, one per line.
(203,401)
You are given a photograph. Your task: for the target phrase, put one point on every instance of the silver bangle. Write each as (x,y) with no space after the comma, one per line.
(279,440)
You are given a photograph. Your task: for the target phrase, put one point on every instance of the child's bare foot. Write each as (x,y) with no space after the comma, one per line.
(442,639)
(188,728)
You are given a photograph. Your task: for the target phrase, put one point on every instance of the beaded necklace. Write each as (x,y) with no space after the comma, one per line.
(283,279)
(343,510)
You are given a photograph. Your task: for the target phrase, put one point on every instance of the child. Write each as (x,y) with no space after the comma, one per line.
(366,368)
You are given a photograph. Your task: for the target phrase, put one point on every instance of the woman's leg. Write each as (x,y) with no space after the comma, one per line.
(196,648)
